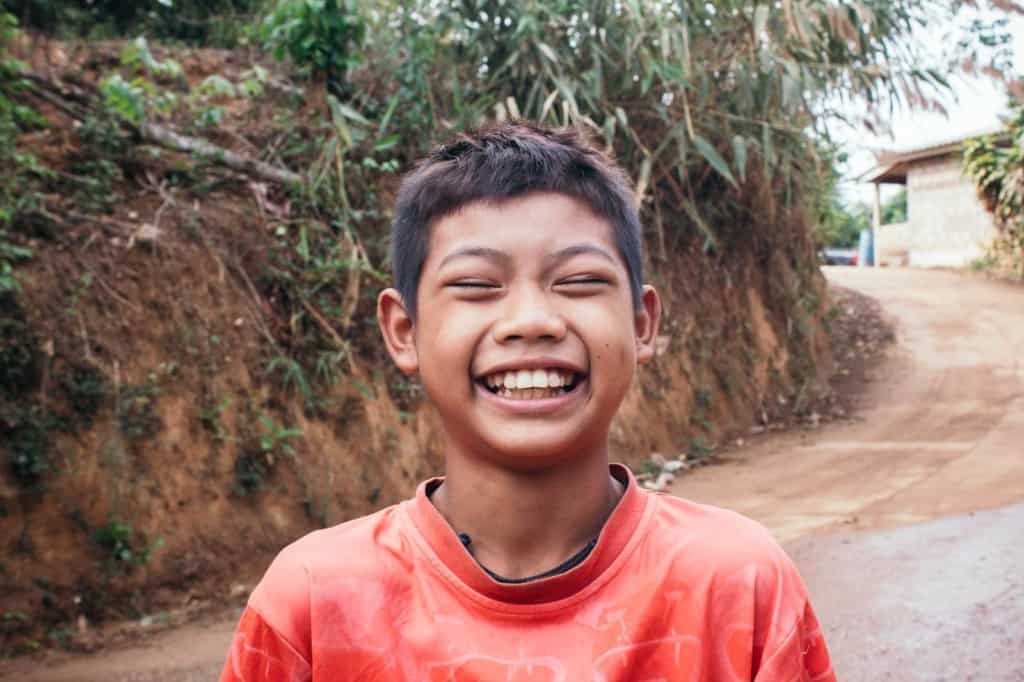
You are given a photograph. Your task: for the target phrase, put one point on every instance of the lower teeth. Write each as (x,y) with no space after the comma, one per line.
(530,393)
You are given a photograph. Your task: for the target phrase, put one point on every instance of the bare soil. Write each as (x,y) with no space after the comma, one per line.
(937,429)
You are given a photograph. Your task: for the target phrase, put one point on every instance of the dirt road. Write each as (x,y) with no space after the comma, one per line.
(940,432)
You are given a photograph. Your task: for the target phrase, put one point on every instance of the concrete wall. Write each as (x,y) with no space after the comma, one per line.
(948,226)
(893,244)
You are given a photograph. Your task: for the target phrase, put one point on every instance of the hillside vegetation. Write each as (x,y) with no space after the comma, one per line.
(194,223)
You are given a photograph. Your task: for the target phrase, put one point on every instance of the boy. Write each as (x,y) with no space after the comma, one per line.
(519,302)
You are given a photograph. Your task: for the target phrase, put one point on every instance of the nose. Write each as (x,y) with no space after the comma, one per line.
(529,316)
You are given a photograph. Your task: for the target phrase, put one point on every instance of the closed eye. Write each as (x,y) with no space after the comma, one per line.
(473,284)
(582,280)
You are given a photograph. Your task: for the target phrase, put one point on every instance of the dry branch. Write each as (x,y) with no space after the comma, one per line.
(165,137)
(162,136)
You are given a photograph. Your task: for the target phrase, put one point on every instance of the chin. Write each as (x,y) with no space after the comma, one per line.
(533,452)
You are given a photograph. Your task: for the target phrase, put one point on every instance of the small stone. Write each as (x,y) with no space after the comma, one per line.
(239,322)
(147,233)
(673,466)
(658,459)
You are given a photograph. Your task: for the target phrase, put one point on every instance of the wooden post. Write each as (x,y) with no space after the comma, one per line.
(876,223)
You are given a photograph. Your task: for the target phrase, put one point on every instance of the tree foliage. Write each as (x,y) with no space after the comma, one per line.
(198,22)
(996,164)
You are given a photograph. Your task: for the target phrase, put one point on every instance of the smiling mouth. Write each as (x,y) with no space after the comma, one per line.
(531,384)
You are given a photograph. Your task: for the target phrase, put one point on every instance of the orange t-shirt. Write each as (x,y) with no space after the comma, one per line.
(673,590)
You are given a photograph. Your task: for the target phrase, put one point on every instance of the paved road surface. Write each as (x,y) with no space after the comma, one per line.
(940,600)
(943,434)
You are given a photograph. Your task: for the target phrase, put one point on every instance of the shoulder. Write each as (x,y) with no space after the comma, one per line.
(732,560)
(730,555)
(719,536)
(739,572)
(283,596)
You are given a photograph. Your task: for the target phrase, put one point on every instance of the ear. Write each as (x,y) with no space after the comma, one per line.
(645,324)
(398,329)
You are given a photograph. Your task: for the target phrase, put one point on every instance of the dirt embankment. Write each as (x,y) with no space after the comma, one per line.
(161,439)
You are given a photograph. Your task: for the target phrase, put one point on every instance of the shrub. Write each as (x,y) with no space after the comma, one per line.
(137,415)
(123,547)
(27,434)
(322,37)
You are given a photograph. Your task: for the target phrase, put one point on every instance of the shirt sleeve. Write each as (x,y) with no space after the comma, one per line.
(272,641)
(259,653)
(798,656)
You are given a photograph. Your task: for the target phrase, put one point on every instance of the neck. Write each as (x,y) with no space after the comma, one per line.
(525,523)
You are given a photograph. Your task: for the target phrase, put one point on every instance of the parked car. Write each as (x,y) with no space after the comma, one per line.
(830,256)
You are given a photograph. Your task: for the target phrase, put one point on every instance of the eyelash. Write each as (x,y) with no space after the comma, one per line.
(474,284)
(480,284)
(584,280)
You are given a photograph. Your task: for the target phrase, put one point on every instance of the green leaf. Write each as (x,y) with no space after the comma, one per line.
(342,109)
(546,50)
(739,153)
(767,149)
(388,113)
(387,143)
(712,156)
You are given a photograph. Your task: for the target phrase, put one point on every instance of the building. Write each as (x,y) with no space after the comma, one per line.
(947,225)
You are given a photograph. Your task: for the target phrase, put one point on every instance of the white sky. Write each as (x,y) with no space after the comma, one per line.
(979,103)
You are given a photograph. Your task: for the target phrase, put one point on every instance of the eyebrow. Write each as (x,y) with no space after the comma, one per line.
(578,250)
(499,257)
(503,259)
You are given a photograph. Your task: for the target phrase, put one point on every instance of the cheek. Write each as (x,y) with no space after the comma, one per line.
(446,347)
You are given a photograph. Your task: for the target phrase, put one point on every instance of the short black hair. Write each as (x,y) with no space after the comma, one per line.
(504,162)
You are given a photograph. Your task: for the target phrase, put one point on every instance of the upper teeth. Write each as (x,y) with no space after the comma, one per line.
(530,378)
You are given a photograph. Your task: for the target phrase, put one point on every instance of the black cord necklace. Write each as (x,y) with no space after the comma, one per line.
(567,565)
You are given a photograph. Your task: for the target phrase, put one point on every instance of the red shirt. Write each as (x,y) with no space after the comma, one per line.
(673,590)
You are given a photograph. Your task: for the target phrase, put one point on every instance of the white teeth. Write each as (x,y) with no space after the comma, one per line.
(506,383)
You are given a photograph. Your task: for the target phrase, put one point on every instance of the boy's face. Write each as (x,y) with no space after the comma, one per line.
(526,336)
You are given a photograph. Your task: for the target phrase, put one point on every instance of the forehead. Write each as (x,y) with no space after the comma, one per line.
(527,226)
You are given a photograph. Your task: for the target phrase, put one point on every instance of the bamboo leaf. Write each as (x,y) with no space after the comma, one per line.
(739,153)
(620,113)
(712,156)
(548,102)
(702,225)
(767,149)
(644,179)
(513,108)
(344,110)
(386,119)
(546,50)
